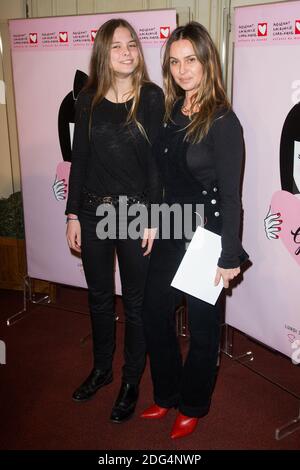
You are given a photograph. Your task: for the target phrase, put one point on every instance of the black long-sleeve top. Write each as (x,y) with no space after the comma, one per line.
(192,172)
(113,157)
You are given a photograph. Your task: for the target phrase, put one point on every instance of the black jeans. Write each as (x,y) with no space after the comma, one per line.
(188,386)
(98,258)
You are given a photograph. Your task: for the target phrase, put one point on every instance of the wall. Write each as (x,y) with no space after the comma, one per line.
(211,13)
(233,5)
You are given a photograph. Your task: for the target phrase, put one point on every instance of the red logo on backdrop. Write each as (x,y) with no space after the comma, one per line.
(262,29)
(297,27)
(33,38)
(63,36)
(164,32)
(93,34)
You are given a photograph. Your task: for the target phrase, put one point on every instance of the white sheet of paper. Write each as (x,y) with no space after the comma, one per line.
(197,270)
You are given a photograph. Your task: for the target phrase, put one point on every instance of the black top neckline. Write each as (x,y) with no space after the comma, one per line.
(113,103)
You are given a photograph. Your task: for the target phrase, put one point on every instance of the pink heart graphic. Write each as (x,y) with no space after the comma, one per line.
(289,207)
(291,337)
(63,171)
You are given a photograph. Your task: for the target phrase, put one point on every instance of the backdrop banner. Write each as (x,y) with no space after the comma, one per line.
(266,94)
(50,65)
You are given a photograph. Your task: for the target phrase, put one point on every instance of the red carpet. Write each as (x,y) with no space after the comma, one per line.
(46,361)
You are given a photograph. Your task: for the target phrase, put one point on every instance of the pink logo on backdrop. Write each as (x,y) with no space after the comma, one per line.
(63,36)
(297,27)
(164,32)
(93,34)
(289,207)
(262,29)
(33,38)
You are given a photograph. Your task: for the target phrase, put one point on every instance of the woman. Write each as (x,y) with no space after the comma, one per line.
(118,115)
(200,158)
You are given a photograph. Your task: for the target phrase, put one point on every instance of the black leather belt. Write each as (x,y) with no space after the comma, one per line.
(115,200)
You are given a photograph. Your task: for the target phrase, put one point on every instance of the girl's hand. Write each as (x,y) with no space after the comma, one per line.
(148,239)
(73,235)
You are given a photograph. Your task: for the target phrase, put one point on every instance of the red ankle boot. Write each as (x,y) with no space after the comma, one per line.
(183,426)
(155,412)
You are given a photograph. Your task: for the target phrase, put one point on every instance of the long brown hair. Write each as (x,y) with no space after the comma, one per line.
(210,95)
(101,76)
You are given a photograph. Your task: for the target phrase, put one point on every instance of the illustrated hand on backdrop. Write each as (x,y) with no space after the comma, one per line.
(272,222)
(59,189)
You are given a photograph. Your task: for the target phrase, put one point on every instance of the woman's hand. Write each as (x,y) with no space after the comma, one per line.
(227,275)
(148,239)
(73,235)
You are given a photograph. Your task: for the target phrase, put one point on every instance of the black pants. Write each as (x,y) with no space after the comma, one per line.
(98,262)
(188,385)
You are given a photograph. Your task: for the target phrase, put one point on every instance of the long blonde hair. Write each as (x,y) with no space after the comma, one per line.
(211,95)
(101,76)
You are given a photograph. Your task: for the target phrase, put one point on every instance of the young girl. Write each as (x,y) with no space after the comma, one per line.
(118,116)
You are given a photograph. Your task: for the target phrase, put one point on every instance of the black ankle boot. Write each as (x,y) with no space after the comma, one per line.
(97,379)
(125,403)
